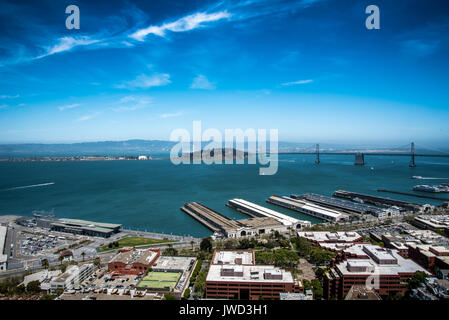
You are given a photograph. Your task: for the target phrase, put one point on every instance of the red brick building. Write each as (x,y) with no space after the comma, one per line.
(133,261)
(369,265)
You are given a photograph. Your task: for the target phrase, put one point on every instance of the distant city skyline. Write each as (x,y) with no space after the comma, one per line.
(309,68)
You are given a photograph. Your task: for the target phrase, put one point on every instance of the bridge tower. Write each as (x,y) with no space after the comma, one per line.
(317,160)
(412,154)
(359,159)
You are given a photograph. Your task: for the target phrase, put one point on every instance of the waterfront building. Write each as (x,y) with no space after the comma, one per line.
(309,208)
(234,275)
(224,227)
(88,228)
(255,210)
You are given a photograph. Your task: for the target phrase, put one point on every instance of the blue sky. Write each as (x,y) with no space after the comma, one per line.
(140,69)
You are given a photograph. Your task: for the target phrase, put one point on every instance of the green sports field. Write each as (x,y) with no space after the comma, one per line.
(160,280)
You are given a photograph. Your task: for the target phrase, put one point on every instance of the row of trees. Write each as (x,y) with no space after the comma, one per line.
(313,252)
(283,258)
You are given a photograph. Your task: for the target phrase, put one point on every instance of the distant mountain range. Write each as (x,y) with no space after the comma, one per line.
(148,147)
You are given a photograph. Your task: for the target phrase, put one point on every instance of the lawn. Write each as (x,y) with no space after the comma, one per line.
(132,241)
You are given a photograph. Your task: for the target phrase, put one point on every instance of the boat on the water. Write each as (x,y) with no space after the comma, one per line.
(444,187)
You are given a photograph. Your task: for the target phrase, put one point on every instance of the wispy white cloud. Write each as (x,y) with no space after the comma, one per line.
(67,44)
(5,96)
(144,81)
(186,23)
(294,83)
(171,115)
(70,106)
(88,117)
(132,103)
(201,82)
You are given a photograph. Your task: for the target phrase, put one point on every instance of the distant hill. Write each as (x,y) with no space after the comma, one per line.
(148,147)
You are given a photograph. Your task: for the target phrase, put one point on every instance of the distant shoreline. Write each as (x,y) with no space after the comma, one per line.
(79,158)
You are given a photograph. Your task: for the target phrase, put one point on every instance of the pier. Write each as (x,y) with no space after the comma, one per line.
(223,226)
(255,210)
(414,195)
(211,219)
(308,208)
(339,204)
(378,201)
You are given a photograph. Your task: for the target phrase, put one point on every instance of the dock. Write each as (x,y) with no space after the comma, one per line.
(414,195)
(339,204)
(255,210)
(308,208)
(223,226)
(213,220)
(378,201)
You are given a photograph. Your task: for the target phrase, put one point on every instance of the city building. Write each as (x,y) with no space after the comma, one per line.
(369,265)
(433,222)
(295,296)
(425,255)
(3,250)
(71,279)
(361,292)
(331,237)
(234,275)
(44,277)
(133,261)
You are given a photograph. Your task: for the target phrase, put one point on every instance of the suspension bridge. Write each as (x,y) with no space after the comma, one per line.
(359,156)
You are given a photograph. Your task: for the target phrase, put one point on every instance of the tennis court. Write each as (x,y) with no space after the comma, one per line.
(160,280)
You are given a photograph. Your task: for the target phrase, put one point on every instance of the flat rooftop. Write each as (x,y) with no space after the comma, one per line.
(233,258)
(325,236)
(261,222)
(173,263)
(249,274)
(364,252)
(135,256)
(85,223)
(252,207)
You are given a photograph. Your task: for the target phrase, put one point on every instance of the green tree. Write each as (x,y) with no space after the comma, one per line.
(169,297)
(187,293)
(60,258)
(45,263)
(83,254)
(192,243)
(206,245)
(416,279)
(33,287)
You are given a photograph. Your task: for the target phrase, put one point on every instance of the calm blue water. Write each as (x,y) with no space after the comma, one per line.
(148,194)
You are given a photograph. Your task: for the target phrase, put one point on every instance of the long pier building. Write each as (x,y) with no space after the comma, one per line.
(309,208)
(378,201)
(255,210)
(339,204)
(224,227)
